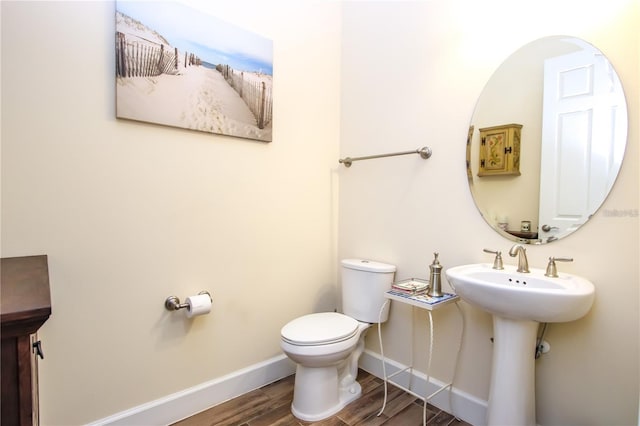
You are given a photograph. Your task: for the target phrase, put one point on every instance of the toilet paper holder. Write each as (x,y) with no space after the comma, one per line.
(172,303)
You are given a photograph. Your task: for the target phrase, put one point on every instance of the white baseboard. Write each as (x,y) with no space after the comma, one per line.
(190,401)
(465,406)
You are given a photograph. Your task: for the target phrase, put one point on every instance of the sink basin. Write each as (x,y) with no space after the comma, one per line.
(525,296)
(519,302)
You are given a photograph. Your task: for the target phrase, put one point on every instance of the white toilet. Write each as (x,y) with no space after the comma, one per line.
(326,346)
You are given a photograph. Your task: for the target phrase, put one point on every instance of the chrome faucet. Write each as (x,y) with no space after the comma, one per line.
(521,252)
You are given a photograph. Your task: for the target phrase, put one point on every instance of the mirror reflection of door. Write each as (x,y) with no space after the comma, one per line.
(585,133)
(583,107)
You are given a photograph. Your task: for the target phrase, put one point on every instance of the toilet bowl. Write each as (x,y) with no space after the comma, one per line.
(326,346)
(327,362)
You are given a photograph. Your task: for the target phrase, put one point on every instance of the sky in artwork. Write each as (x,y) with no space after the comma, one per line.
(212,39)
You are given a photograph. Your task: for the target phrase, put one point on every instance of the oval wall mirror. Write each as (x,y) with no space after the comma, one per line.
(546,140)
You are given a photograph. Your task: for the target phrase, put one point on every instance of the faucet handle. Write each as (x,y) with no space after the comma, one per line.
(552,271)
(497,262)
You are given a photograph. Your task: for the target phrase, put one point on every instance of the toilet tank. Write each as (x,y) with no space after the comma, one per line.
(364,283)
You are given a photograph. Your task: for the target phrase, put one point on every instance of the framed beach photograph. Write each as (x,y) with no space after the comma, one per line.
(179,67)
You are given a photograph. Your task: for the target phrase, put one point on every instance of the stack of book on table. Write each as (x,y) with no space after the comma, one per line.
(411,286)
(414,292)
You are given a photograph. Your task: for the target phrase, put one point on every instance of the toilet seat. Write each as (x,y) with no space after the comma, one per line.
(319,329)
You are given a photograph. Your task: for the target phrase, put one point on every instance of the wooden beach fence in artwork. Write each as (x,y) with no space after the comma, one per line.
(138,57)
(255,93)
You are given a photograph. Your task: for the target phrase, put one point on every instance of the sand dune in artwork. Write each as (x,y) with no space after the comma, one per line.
(198,98)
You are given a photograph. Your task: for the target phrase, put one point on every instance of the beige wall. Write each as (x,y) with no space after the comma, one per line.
(411,73)
(131,213)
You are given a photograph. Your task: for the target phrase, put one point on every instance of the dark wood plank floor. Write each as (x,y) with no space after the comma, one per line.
(271,405)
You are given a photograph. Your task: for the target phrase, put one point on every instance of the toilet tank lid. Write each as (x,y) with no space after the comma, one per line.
(368,265)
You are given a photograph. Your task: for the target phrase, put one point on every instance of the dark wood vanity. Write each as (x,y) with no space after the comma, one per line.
(25,304)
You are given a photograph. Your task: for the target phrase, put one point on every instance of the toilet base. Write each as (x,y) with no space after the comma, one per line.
(325,381)
(315,397)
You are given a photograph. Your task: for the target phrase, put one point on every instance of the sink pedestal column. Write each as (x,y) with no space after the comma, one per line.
(512,394)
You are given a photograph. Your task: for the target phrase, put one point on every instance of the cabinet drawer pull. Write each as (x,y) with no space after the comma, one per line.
(37,349)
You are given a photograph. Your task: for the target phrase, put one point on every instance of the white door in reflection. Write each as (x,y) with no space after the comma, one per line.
(583,106)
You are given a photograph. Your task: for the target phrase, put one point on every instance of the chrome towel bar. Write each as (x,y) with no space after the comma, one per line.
(425,152)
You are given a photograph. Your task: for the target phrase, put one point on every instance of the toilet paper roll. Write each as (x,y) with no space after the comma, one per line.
(198,305)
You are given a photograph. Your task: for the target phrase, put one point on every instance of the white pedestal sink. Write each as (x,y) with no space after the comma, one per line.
(518,302)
